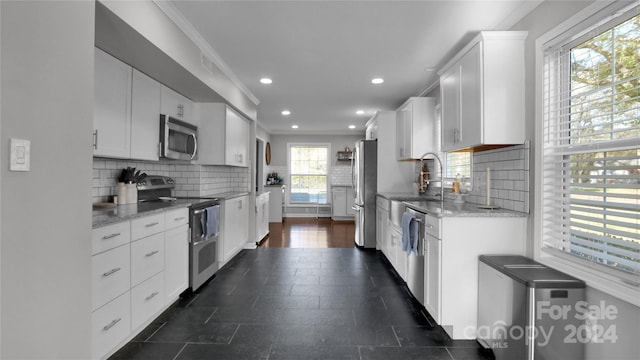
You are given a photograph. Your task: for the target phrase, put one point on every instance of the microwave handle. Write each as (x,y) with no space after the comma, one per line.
(195,146)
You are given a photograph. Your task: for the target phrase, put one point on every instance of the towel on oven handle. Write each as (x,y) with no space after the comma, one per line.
(210,221)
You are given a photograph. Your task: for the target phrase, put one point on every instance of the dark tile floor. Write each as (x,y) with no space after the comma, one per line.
(287,303)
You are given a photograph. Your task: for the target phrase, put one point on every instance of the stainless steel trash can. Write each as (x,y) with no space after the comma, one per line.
(527,310)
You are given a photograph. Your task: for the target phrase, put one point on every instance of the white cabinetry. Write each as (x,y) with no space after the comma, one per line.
(262,216)
(482,92)
(416,129)
(382,225)
(451,265)
(342,201)
(432,255)
(399,256)
(126,111)
(176,106)
(145,117)
(112,107)
(276,202)
(224,135)
(176,244)
(235,230)
(139,268)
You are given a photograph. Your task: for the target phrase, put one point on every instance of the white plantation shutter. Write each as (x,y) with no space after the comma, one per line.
(591,147)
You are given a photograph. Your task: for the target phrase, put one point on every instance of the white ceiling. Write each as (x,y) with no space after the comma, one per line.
(322,55)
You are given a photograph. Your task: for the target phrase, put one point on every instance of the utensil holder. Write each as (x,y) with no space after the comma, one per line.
(132,193)
(121,193)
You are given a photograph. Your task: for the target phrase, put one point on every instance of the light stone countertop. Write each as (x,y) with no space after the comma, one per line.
(108,216)
(432,205)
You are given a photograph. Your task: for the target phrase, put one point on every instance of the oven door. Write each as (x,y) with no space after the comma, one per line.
(202,254)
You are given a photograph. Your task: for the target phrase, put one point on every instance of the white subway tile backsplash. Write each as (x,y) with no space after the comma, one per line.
(191,179)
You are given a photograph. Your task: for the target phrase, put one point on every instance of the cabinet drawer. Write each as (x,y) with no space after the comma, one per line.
(110,236)
(147,258)
(146,300)
(432,226)
(146,226)
(110,325)
(110,275)
(175,218)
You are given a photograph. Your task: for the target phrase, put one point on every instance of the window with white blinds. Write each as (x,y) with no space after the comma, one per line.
(591,147)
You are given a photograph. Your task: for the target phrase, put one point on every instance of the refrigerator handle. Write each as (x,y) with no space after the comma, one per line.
(353,174)
(355,208)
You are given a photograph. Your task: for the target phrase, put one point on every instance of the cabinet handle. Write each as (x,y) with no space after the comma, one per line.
(151,253)
(151,296)
(152,224)
(111,272)
(179,218)
(111,324)
(95,139)
(107,237)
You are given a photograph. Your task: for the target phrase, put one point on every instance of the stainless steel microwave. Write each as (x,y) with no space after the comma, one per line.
(178,139)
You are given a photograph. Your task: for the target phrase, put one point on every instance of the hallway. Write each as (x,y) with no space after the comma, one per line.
(300,303)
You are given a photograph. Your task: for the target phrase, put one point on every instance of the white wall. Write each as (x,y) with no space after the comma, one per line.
(47,97)
(338,142)
(627,322)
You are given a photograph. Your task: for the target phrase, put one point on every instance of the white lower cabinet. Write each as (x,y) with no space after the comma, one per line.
(139,268)
(147,258)
(451,265)
(147,299)
(262,216)
(235,228)
(110,325)
(110,275)
(399,257)
(382,220)
(176,262)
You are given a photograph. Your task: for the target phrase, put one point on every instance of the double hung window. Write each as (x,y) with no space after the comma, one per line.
(309,169)
(590,148)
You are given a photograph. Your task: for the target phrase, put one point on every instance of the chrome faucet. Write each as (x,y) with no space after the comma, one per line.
(441,171)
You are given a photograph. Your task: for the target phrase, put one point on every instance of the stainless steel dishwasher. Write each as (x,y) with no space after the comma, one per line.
(527,310)
(415,262)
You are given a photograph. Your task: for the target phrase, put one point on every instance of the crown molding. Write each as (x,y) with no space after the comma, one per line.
(183,24)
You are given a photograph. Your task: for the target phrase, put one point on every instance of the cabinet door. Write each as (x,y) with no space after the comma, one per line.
(110,275)
(110,325)
(432,288)
(176,105)
(381,228)
(147,299)
(470,130)
(145,117)
(237,140)
(147,258)
(236,223)
(338,202)
(400,259)
(176,267)
(403,132)
(450,100)
(112,108)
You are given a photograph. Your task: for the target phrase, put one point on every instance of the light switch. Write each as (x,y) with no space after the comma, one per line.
(20,155)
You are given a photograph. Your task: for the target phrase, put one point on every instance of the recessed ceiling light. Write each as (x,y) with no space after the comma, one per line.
(377,81)
(266,81)
(294,126)
(360,112)
(286,112)
(352,126)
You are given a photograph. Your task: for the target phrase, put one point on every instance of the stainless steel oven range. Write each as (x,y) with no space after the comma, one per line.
(203,240)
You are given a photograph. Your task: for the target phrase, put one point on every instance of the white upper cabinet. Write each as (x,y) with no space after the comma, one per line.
(223,134)
(176,106)
(145,117)
(112,109)
(482,92)
(127,111)
(416,131)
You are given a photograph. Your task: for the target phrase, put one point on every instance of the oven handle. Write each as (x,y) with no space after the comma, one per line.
(204,241)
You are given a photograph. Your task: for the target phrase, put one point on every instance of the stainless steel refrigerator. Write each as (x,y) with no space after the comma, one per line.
(364,167)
